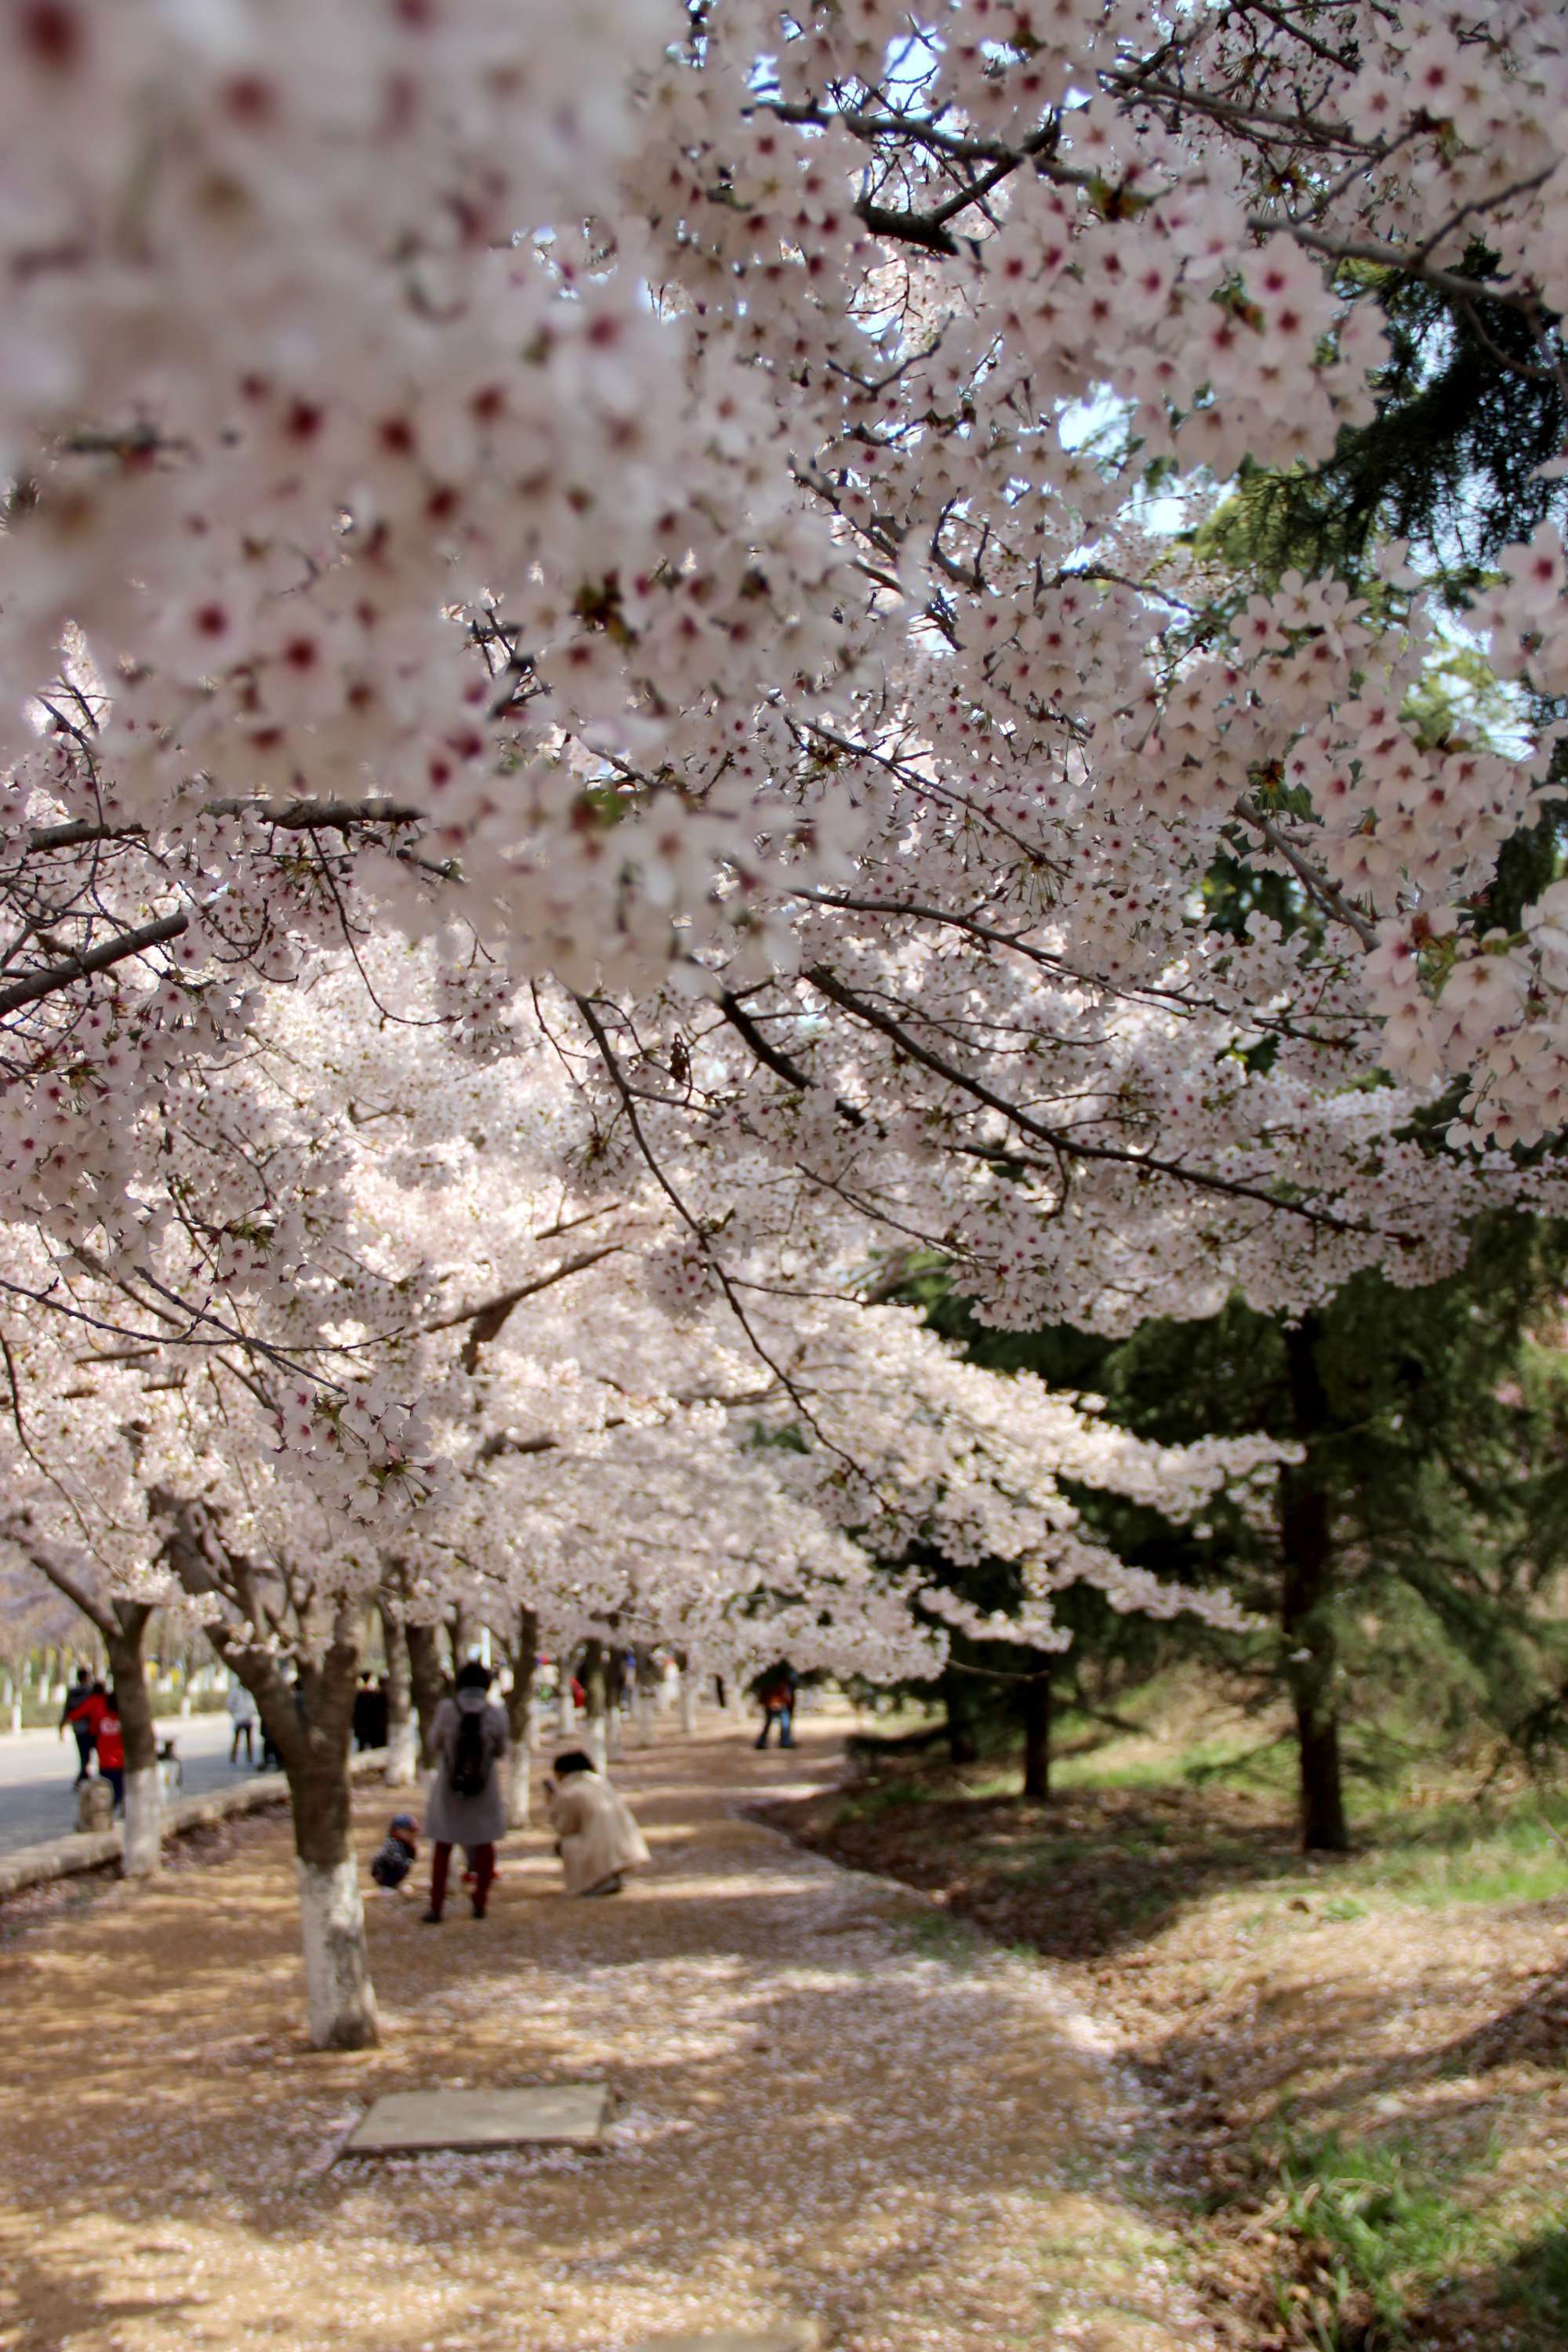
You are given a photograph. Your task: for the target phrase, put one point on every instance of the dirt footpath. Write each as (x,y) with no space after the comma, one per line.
(830,2101)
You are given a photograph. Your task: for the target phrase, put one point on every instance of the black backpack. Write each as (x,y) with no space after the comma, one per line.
(470,1765)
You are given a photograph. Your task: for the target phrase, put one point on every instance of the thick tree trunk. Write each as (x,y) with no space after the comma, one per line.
(614,1696)
(1306,1613)
(339,1999)
(463,1633)
(141,1852)
(688,1681)
(310,1724)
(428,1682)
(1037,1710)
(961,1746)
(522,1648)
(597,1691)
(402,1729)
(644,1699)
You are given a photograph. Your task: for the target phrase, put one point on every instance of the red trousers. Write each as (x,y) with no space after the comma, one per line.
(484,1861)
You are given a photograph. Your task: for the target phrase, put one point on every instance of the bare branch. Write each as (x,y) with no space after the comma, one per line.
(79,967)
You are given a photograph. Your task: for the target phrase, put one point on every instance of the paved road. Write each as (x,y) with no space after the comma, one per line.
(37,1770)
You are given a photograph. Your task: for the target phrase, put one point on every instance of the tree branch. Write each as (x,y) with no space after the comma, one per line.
(79,967)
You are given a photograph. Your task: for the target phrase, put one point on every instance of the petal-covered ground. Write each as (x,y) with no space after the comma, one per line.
(829,2102)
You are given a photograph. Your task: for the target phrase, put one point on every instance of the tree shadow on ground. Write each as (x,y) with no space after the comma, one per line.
(1089,1875)
(73,2300)
(1527,2293)
(1533,2029)
(789,2056)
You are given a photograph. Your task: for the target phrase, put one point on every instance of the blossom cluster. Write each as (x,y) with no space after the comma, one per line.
(595,643)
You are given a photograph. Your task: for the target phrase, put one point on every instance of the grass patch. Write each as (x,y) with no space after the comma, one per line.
(1445,1854)
(1385,2236)
(873,1798)
(938,1937)
(1381,2230)
(1265,1766)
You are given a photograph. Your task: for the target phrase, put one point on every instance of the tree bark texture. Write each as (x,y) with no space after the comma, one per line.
(142,1853)
(311,1723)
(428,1682)
(339,1997)
(961,1747)
(463,1633)
(520,1645)
(402,1729)
(1037,1707)
(1306,1611)
(596,1691)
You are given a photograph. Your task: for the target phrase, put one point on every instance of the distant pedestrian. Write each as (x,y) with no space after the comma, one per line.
(777,1691)
(77,1715)
(595,1836)
(468,1789)
(394,1857)
(242,1714)
(111,1745)
(364,1714)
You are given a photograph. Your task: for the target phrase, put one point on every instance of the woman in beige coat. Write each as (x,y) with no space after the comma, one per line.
(596,1835)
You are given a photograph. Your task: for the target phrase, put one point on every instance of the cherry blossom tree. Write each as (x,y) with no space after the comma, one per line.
(817,617)
(611,718)
(578,1453)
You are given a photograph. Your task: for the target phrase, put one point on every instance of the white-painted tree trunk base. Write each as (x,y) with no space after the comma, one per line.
(340,2002)
(517,1785)
(141,1849)
(567,1714)
(403,1754)
(689,1703)
(532,1728)
(645,1707)
(613,1722)
(596,1742)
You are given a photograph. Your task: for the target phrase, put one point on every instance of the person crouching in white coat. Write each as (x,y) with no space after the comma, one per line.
(596,1835)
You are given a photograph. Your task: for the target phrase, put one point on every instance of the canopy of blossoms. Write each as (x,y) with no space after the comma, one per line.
(485,1386)
(661,503)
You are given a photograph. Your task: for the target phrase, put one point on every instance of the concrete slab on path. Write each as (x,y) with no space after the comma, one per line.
(411,2123)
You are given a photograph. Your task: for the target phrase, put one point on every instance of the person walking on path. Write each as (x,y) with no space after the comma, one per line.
(242,1714)
(78,1716)
(111,1743)
(778,1694)
(596,1834)
(467,1787)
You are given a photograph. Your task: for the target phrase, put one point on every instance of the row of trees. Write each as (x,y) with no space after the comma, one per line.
(1406,1583)
(599,1453)
(761,647)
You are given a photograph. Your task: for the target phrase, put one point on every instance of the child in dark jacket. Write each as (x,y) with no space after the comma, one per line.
(394,1857)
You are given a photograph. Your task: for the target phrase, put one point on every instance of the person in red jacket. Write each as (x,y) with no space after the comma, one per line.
(111,1743)
(77,1718)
